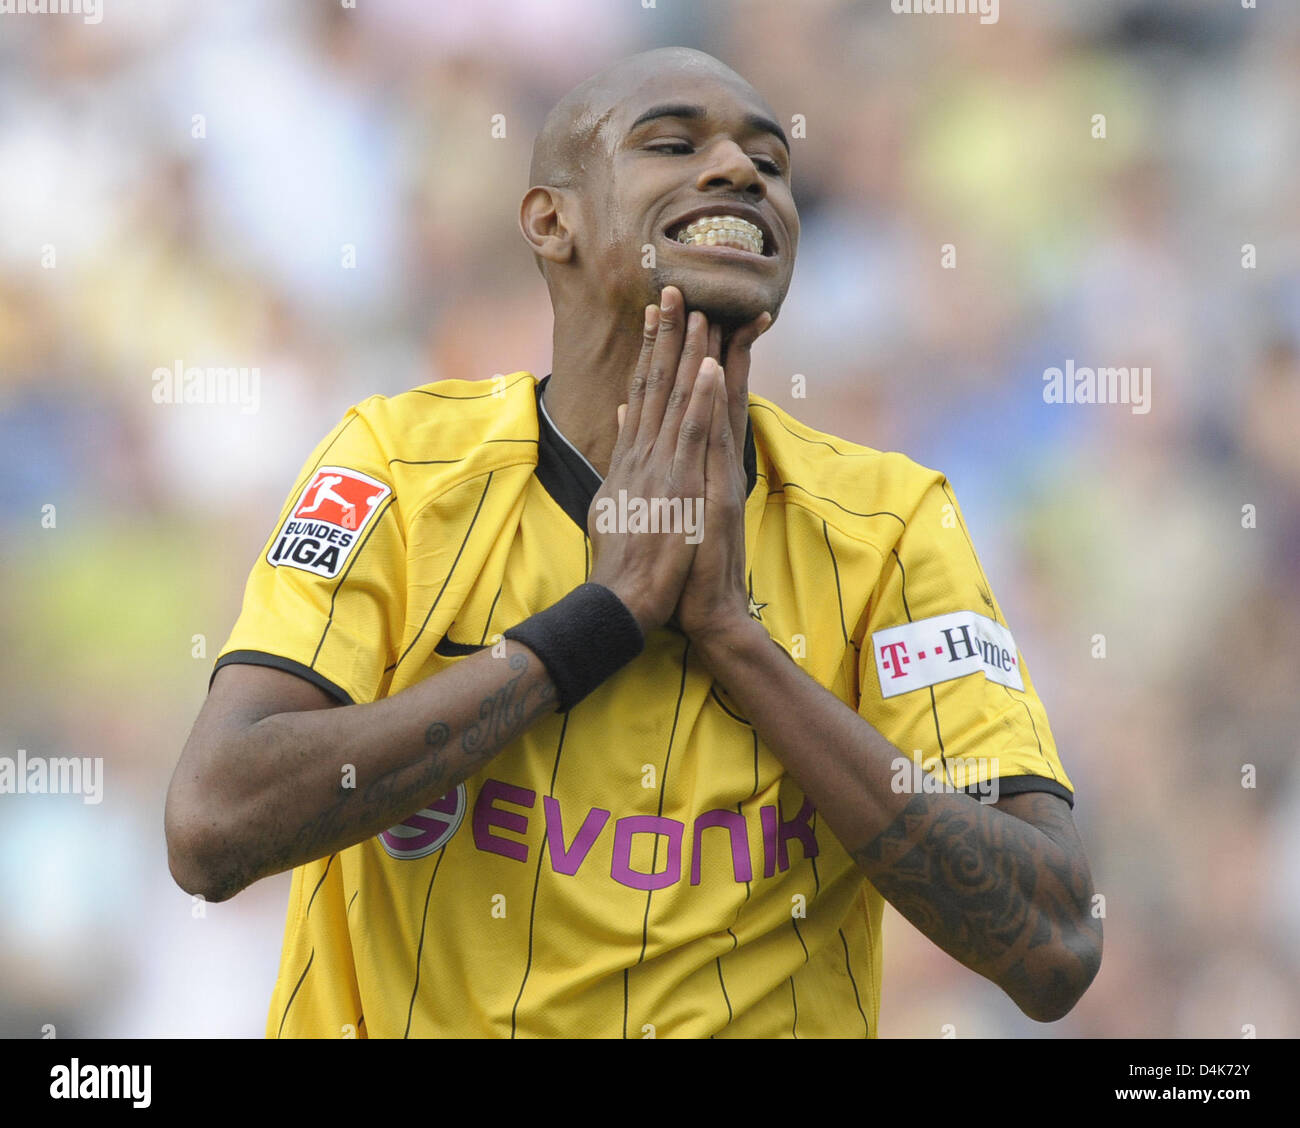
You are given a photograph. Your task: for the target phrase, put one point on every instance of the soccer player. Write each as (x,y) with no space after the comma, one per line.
(548,756)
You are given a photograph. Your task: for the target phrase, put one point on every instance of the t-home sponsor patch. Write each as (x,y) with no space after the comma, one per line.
(326,524)
(944,647)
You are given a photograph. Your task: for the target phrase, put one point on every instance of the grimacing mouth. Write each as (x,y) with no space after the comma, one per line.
(732,226)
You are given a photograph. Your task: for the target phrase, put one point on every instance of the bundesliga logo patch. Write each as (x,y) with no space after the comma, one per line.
(944,647)
(326,524)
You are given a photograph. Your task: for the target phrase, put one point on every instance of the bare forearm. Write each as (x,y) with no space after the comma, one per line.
(1004,897)
(840,762)
(1000,895)
(301,785)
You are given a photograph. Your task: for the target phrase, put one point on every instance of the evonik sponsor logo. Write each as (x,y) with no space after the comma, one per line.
(501,806)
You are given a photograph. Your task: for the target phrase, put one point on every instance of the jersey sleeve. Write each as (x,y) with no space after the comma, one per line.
(325,597)
(940,675)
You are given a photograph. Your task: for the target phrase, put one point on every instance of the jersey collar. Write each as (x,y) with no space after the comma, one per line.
(572,481)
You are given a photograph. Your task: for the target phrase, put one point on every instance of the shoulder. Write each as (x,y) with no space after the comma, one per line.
(421,445)
(864,492)
(432,436)
(448,414)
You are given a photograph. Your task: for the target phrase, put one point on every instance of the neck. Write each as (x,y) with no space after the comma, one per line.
(591,365)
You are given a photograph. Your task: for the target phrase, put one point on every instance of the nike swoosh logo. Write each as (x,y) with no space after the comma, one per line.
(451,649)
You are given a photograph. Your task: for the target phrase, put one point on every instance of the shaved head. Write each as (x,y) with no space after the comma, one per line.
(566,136)
(568,139)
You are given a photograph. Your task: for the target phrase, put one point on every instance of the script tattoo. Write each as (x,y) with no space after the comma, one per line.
(1004,895)
(385,788)
(502,715)
(311,840)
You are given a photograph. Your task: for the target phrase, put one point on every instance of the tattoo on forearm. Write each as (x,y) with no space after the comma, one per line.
(505,712)
(312,840)
(992,890)
(384,790)
(501,716)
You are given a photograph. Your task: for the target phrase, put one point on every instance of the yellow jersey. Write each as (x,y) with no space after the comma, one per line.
(641,866)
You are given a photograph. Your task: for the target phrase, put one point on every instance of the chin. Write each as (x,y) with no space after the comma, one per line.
(724,302)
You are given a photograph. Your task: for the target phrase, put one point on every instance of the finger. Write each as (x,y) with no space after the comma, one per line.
(661,373)
(737,368)
(636,386)
(694,350)
(720,460)
(720,433)
(715,342)
(738,349)
(696,425)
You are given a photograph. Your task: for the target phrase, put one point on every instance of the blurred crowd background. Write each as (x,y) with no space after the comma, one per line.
(135,235)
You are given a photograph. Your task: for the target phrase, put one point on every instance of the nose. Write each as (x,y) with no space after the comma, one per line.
(727,166)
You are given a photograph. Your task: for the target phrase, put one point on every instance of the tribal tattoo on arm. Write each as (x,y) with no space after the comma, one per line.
(1004,890)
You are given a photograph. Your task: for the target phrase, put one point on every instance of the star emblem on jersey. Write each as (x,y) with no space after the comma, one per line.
(755,608)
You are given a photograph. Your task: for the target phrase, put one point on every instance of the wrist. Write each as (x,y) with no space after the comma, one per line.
(628,595)
(727,640)
(582,640)
(644,618)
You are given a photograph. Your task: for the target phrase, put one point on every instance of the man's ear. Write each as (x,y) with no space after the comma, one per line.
(542,220)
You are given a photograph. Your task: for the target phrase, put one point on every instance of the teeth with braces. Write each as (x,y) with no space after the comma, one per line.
(723,231)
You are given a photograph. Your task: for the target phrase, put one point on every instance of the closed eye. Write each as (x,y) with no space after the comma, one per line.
(683,148)
(765,164)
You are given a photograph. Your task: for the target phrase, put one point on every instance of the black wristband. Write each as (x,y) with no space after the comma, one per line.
(581,640)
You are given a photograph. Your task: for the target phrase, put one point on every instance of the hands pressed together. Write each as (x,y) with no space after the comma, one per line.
(681,436)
